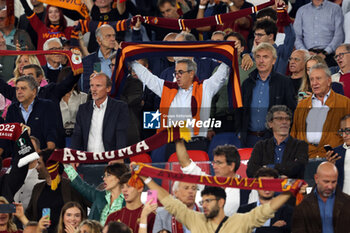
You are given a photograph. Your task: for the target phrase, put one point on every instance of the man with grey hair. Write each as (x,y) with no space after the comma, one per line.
(281,152)
(317,118)
(206,66)
(177,98)
(342,57)
(53,66)
(297,62)
(263,89)
(38,114)
(99,61)
(186,193)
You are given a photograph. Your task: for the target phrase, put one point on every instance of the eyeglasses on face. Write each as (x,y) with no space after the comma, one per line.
(281,118)
(180,72)
(343,132)
(207,201)
(259,34)
(217,162)
(340,55)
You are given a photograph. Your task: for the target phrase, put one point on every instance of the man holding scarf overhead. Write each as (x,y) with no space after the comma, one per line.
(187,99)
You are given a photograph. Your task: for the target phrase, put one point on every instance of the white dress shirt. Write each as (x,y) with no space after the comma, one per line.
(180,108)
(316,118)
(95,142)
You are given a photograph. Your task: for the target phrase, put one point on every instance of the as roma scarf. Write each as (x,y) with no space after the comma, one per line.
(75,5)
(222,51)
(175,24)
(67,155)
(75,60)
(277,185)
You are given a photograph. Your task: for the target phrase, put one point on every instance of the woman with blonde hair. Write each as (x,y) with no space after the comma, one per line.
(21,61)
(89,226)
(6,220)
(305,87)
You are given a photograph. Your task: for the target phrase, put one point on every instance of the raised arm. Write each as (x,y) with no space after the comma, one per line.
(280,200)
(154,83)
(121,6)
(181,153)
(27,10)
(89,4)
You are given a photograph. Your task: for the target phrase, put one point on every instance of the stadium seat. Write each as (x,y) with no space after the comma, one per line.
(245,156)
(143,158)
(195,155)
(222,139)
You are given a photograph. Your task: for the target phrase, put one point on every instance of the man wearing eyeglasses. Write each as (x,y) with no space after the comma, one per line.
(225,163)
(186,98)
(342,57)
(297,67)
(317,118)
(341,157)
(282,152)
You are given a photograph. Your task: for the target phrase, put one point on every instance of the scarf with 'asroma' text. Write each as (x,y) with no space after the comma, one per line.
(85,26)
(67,155)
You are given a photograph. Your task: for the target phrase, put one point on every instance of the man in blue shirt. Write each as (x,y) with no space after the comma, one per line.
(319,28)
(326,209)
(263,89)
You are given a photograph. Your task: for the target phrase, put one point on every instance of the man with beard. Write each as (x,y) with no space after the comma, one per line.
(282,220)
(326,208)
(213,219)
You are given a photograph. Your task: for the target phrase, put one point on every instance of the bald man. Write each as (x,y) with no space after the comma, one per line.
(326,208)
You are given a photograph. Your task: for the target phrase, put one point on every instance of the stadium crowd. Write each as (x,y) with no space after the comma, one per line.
(289,81)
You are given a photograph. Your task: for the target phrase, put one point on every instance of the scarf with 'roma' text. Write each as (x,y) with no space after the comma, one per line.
(75,60)
(67,155)
(174,24)
(277,185)
(222,51)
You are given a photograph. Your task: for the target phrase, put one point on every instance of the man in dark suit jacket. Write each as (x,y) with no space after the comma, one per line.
(44,197)
(287,155)
(52,91)
(102,122)
(282,220)
(339,155)
(263,89)
(326,208)
(38,114)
